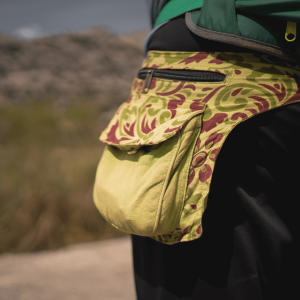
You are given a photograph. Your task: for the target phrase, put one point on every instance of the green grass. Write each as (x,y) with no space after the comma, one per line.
(48,160)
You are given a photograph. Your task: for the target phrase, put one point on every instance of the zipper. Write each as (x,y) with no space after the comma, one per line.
(291,30)
(180,75)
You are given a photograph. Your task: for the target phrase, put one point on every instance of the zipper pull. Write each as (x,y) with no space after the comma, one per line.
(147,81)
(290,34)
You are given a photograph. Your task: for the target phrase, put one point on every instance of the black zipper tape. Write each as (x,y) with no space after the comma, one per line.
(180,75)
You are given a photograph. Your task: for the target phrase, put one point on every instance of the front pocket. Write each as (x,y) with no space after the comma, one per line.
(142,192)
(142,177)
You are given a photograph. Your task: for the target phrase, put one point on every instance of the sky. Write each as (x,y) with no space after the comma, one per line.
(29,19)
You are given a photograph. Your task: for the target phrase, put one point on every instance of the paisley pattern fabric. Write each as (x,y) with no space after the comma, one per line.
(252,86)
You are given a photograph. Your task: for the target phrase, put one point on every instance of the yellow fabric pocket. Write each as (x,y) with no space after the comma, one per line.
(140,186)
(142,178)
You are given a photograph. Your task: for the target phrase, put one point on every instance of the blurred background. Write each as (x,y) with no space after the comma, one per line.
(65,67)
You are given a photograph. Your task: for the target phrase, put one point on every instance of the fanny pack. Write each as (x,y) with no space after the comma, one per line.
(162,144)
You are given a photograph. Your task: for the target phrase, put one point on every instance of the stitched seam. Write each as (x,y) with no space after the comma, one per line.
(202,10)
(159,206)
(159,142)
(186,187)
(234,17)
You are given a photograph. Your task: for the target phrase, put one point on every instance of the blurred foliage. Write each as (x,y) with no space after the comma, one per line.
(48,160)
(49,146)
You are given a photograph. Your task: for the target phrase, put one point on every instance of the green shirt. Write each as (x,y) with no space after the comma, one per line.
(288,10)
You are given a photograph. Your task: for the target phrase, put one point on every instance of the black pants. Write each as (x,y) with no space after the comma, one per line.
(250,244)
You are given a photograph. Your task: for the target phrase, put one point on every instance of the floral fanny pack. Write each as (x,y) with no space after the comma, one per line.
(155,173)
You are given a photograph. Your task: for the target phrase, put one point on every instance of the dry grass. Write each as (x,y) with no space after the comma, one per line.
(49,147)
(48,160)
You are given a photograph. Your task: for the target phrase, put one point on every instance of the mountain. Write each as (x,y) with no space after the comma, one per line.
(90,64)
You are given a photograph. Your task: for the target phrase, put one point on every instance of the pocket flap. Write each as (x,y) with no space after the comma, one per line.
(147,122)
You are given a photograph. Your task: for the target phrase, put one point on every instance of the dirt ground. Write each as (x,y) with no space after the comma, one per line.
(99,270)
